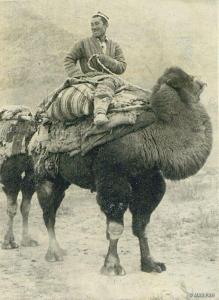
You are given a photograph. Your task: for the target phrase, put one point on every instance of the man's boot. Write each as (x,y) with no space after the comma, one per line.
(100,111)
(100,119)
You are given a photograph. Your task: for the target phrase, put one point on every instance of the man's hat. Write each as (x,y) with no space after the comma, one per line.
(100,14)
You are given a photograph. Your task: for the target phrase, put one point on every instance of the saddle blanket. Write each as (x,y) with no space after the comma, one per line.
(82,136)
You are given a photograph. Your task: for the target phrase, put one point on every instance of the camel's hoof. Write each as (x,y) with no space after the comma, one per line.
(153,266)
(52,256)
(28,242)
(116,270)
(9,245)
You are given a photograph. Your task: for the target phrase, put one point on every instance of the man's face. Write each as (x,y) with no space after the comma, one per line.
(98,28)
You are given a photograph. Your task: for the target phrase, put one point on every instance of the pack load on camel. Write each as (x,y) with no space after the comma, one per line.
(16,129)
(17,126)
(75,97)
(67,115)
(128,172)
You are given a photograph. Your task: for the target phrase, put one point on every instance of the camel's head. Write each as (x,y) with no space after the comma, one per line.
(186,85)
(175,90)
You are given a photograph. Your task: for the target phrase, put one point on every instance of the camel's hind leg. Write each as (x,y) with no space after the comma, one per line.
(27,189)
(113,196)
(50,195)
(148,191)
(11,189)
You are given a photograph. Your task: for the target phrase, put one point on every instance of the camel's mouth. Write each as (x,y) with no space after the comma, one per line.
(199,87)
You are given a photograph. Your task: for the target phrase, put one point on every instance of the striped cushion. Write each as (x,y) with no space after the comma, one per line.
(72,102)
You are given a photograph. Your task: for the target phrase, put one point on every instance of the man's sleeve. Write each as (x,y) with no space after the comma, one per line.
(116,65)
(71,59)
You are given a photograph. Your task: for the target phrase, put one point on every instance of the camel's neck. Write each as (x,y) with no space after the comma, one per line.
(181,145)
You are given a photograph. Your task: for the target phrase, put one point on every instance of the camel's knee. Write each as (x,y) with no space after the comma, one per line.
(12,209)
(49,197)
(11,194)
(113,197)
(114,211)
(114,230)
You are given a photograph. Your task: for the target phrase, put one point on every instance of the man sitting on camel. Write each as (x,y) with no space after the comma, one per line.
(98,54)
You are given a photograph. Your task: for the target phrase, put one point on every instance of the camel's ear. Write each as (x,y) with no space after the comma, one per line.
(175,82)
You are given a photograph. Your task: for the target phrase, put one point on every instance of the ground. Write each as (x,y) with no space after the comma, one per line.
(182,234)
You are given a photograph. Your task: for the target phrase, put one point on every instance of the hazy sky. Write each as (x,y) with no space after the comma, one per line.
(171,13)
(177,32)
(185,29)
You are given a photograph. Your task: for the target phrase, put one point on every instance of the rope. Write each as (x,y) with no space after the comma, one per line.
(88,63)
(99,62)
(107,70)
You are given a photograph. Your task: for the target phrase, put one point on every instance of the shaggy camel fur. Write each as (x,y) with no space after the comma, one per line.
(129,172)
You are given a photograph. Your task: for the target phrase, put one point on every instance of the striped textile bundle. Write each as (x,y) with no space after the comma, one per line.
(72,102)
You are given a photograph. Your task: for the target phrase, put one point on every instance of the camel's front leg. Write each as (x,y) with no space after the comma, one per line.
(11,190)
(148,264)
(113,196)
(50,196)
(147,193)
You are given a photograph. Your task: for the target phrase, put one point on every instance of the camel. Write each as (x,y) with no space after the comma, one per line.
(130,172)
(16,174)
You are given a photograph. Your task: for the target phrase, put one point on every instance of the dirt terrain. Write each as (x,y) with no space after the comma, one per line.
(182,234)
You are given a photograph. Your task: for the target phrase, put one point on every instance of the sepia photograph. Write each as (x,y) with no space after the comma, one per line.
(109,152)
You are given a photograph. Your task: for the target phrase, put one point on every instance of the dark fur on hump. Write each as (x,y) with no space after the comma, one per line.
(178,142)
(182,132)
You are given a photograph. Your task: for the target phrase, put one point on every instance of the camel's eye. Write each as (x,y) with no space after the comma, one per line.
(190,81)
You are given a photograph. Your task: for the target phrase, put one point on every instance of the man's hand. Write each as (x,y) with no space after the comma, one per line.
(106,60)
(101,57)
